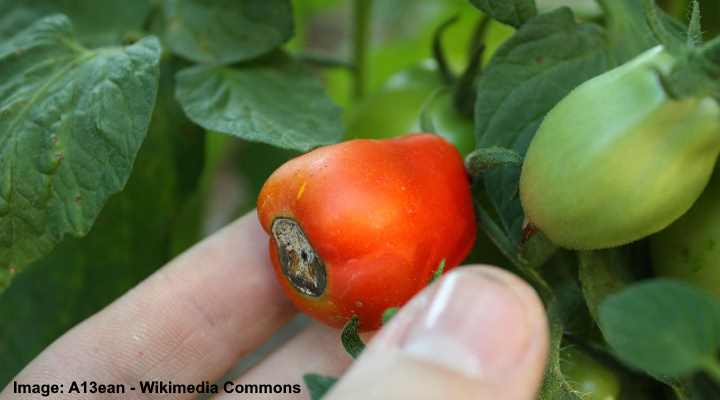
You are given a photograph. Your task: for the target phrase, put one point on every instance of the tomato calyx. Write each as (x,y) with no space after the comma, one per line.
(300,262)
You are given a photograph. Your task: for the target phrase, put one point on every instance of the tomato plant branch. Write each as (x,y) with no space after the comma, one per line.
(711,51)
(439,53)
(712,368)
(361,38)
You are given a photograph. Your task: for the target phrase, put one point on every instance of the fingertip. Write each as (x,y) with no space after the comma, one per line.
(479,327)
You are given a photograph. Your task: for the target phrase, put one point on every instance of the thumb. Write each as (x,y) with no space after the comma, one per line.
(478,333)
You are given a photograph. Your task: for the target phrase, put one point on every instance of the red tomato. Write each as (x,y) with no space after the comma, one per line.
(361,226)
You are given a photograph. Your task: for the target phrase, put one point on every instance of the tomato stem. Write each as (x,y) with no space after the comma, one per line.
(361,38)
(711,51)
(712,368)
(439,52)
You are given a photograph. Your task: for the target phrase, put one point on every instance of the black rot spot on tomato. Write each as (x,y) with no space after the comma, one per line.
(300,263)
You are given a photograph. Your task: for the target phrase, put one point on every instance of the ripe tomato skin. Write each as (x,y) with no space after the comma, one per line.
(689,249)
(618,159)
(381,214)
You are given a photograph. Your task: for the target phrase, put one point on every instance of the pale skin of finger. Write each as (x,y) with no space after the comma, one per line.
(188,322)
(388,370)
(316,349)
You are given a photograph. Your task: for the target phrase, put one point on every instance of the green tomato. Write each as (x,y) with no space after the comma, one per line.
(394,110)
(618,159)
(440,116)
(689,249)
(592,379)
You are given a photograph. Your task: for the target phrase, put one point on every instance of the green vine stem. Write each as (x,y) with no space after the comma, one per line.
(712,368)
(711,51)
(438,51)
(361,38)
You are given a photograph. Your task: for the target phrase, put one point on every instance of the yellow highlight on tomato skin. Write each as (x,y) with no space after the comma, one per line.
(301,190)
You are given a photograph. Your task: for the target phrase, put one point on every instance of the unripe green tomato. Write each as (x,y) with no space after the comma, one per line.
(394,110)
(618,159)
(592,379)
(440,116)
(689,249)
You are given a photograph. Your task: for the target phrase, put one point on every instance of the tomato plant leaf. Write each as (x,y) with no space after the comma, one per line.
(510,12)
(220,31)
(82,114)
(280,104)
(663,327)
(96,22)
(130,240)
(318,385)
(438,271)
(628,33)
(388,314)
(350,338)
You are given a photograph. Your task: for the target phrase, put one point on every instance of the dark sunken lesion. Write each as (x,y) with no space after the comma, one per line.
(299,261)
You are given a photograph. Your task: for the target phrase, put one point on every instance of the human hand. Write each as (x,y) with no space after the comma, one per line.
(478,333)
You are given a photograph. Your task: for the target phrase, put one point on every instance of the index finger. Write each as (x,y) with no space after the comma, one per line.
(188,322)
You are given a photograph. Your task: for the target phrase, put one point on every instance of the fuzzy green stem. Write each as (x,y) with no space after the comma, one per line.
(439,52)
(361,38)
(712,368)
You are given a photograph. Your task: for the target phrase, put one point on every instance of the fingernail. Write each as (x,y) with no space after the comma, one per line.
(474,324)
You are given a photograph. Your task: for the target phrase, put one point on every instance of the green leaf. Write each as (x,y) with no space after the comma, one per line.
(96,22)
(388,314)
(487,158)
(510,12)
(527,76)
(71,123)
(350,338)
(220,31)
(280,104)
(627,30)
(439,271)
(663,327)
(130,240)
(603,273)
(318,385)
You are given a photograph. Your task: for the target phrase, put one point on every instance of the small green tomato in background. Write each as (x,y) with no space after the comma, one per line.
(689,249)
(394,110)
(441,117)
(618,159)
(591,378)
